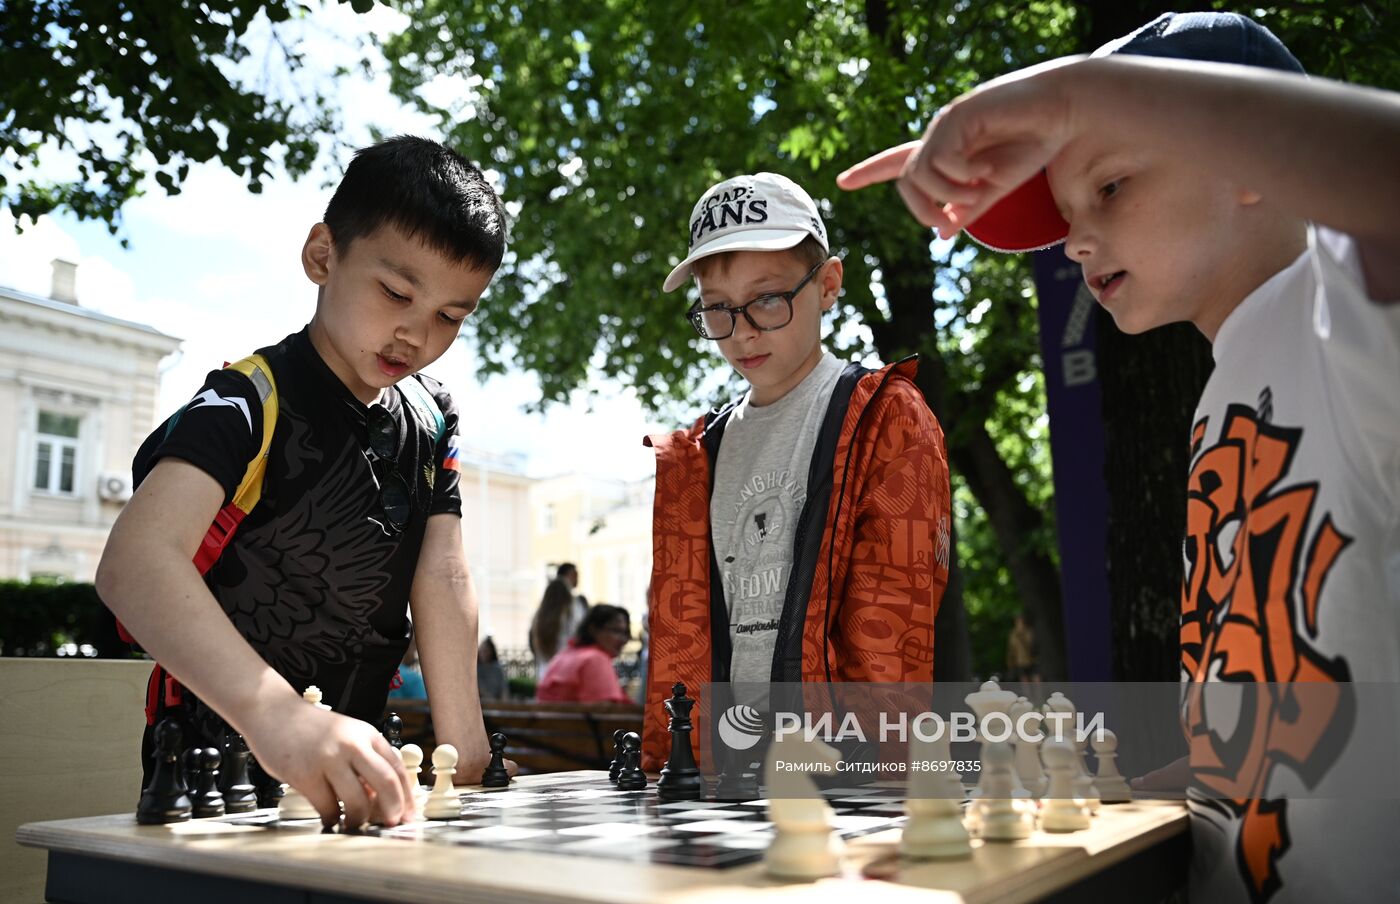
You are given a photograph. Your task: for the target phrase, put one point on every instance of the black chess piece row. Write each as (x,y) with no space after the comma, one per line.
(680,777)
(196,787)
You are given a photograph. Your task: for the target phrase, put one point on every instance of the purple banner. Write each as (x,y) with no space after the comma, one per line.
(1068,347)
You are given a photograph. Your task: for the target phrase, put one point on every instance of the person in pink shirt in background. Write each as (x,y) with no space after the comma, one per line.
(583,671)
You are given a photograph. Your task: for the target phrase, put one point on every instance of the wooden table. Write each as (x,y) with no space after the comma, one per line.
(1135,851)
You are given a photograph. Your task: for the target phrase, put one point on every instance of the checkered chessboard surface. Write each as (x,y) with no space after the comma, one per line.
(594,819)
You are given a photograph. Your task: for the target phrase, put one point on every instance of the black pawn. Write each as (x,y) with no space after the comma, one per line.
(631,778)
(267,789)
(615,766)
(739,781)
(165,799)
(393,731)
(680,778)
(189,763)
(206,797)
(496,775)
(239,794)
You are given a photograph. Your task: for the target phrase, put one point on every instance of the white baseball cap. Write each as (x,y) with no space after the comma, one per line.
(762,212)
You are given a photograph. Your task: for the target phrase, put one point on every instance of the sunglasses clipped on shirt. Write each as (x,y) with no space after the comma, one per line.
(394,494)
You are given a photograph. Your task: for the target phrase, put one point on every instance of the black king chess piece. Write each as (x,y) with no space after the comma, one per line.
(165,799)
(496,775)
(631,778)
(680,778)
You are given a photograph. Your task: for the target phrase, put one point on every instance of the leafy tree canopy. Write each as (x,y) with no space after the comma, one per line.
(138,88)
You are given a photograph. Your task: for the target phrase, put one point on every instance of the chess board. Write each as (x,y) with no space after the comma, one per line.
(591,818)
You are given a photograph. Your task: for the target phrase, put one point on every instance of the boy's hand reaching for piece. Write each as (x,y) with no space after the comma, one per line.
(329,757)
(979,147)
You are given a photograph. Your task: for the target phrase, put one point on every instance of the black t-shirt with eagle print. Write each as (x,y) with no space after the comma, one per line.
(315,578)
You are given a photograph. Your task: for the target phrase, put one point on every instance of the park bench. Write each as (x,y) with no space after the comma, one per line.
(541,737)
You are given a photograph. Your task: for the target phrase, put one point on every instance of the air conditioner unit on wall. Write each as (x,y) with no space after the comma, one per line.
(114,487)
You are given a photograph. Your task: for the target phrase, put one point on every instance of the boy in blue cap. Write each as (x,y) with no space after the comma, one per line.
(359,510)
(1218,185)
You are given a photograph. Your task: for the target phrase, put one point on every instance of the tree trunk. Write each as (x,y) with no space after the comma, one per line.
(952,647)
(973,454)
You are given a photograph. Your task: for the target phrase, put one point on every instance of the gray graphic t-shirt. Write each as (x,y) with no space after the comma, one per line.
(760,486)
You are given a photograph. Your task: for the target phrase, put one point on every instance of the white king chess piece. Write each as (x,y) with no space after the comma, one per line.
(992,707)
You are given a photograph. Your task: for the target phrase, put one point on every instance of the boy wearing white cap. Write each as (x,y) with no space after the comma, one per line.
(801,533)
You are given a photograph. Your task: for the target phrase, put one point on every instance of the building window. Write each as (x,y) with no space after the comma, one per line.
(56,453)
(547,521)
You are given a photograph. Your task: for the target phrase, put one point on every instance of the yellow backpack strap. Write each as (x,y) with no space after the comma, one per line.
(256,369)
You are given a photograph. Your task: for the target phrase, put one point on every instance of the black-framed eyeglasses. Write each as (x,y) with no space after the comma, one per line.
(769,312)
(394,494)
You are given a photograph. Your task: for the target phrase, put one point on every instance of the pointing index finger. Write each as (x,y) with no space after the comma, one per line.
(882,167)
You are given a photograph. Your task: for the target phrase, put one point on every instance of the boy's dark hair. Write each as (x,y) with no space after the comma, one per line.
(425,190)
(809,252)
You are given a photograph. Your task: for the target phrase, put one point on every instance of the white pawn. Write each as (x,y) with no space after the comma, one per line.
(294,805)
(443,802)
(1027,751)
(1061,810)
(805,846)
(412,756)
(1004,818)
(1084,782)
(1112,788)
(934,830)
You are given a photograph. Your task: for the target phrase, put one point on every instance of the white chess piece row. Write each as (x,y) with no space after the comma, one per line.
(1002,809)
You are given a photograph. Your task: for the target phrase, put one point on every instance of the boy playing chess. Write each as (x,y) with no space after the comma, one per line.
(1214,183)
(801,532)
(359,512)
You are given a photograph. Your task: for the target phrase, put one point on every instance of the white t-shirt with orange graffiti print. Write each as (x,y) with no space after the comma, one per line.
(1292,575)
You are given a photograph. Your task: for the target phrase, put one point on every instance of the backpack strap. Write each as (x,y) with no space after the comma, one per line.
(163,690)
(249,491)
(423,405)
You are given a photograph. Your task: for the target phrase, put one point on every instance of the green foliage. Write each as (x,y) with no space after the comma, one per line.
(137,88)
(608,120)
(38,618)
(520,688)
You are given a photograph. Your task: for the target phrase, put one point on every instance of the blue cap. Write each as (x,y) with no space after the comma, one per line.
(1208,37)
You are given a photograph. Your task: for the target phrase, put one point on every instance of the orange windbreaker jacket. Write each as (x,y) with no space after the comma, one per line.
(863,590)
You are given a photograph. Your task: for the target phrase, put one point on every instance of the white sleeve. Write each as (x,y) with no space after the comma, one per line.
(1361,347)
